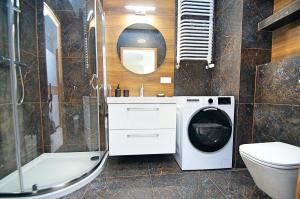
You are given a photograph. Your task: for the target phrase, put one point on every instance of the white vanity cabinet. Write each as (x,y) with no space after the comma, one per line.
(141,125)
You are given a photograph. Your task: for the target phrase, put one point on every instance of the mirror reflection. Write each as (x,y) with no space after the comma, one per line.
(141,48)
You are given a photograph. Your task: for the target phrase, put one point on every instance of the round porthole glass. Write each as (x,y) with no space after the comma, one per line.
(210,129)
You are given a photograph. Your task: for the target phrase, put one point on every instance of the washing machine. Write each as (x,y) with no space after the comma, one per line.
(205,127)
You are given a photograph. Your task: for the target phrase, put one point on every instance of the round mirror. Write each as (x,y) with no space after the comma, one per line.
(141,48)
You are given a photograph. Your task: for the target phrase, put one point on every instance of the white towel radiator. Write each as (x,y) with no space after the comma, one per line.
(195,31)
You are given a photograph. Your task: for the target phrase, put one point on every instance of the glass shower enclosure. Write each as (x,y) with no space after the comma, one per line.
(52,94)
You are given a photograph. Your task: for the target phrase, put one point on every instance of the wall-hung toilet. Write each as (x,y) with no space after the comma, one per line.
(274,167)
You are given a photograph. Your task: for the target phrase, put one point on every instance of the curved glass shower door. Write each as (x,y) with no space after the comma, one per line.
(8,158)
(60,95)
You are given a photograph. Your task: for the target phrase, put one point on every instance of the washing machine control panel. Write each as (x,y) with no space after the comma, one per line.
(224,100)
(210,101)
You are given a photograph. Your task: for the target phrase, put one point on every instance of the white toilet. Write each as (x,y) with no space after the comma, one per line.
(273,166)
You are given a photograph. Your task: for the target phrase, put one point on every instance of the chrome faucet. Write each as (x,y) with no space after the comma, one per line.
(142,90)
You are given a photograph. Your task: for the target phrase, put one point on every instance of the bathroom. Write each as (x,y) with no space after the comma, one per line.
(69,99)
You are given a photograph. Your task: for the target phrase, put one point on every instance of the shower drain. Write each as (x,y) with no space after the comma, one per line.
(34,188)
(94,158)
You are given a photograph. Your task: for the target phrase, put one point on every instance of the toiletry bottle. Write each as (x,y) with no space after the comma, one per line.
(118,91)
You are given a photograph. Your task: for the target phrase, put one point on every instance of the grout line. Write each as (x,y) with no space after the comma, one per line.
(236,136)
(86,189)
(273,104)
(253,110)
(133,176)
(37,40)
(226,196)
(149,173)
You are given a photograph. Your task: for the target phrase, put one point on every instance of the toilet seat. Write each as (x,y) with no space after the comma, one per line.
(273,154)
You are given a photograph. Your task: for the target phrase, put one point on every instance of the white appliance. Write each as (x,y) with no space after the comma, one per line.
(204,132)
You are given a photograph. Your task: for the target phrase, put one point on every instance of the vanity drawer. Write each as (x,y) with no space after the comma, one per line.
(138,142)
(142,116)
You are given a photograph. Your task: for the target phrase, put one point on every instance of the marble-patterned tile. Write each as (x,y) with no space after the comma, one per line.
(76,80)
(125,188)
(192,79)
(250,59)
(228,29)
(258,194)
(5,91)
(277,82)
(28,35)
(277,123)
(5,85)
(188,185)
(70,5)
(235,184)
(226,76)
(126,166)
(72,33)
(76,194)
(73,127)
(30,77)
(43,83)
(163,164)
(7,141)
(29,115)
(227,48)
(244,130)
(30,3)
(254,11)
(228,15)
(3,30)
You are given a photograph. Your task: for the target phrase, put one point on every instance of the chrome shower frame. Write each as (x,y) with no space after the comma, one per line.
(74,184)
(14,89)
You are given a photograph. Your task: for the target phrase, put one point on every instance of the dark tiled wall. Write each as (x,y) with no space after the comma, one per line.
(228,44)
(227,40)
(29,111)
(255,50)
(192,79)
(277,102)
(7,139)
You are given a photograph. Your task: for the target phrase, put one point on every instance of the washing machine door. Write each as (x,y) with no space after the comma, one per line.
(210,129)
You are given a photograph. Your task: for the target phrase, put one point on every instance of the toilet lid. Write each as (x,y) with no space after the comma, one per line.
(274,153)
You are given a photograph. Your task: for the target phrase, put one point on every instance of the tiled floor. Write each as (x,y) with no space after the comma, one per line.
(143,177)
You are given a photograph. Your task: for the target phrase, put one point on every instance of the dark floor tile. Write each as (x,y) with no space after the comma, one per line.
(163,164)
(126,166)
(236,184)
(76,194)
(185,185)
(127,187)
(258,194)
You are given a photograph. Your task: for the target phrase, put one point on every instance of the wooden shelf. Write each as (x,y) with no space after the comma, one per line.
(282,17)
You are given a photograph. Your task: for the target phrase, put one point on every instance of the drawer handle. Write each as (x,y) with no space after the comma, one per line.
(142,135)
(142,109)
